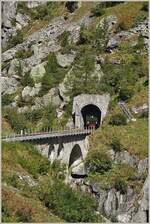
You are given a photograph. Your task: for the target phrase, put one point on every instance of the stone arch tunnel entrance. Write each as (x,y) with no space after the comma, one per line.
(91,116)
(76,164)
(89,106)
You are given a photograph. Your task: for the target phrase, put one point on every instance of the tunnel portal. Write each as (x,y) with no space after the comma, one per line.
(92,107)
(91,116)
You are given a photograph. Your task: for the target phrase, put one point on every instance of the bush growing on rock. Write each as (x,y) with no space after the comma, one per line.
(14,40)
(118,119)
(121,185)
(98,10)
(22,54)
(27,80)
(24,215)
(53,76)
(116,145)
(7,99)
(98,161)
(145,6)
(17,121)
(125,93)
(72,206)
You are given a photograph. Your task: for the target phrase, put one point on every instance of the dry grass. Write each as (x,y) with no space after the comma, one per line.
(133,137)
(126,12)
(15,201)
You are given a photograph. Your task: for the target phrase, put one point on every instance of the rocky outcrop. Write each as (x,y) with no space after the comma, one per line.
(9,85)
(143,211)
(51,97)
(140,109)
(38,72)
(141,29)
(8,14)
(31,91)
(65,60)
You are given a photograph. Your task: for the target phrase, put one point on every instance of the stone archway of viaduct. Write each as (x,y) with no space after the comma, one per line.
(61,149)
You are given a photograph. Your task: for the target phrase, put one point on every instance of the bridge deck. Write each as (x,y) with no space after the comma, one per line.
(46,135)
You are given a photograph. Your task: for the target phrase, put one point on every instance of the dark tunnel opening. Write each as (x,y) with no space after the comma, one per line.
(91,116)
(75,159)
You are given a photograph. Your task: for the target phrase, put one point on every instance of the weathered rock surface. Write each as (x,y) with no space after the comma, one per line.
(38,72)
(31,91)
(65,60)
(141,29)
(110,22)
(51,97)
(8,14)
(142,214)
(143,165)
(9,85)
(126,157)
(140,109)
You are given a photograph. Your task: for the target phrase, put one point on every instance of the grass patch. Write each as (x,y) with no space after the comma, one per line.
(129,136)
(17,208)
(24,157)
(119,176)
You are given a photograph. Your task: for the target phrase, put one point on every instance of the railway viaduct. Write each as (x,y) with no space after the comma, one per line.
(70,146)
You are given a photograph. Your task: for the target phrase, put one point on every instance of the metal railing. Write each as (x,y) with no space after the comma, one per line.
(29,135)
(126,111)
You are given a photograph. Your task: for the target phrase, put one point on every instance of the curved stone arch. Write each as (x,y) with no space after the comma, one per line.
(95,109)
(75,156)
(91,103)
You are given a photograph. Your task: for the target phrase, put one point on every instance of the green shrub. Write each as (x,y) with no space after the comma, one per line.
(6,214)
(64,38)
(27,80)
(140,44)
(145,6)
(98,10)
(14,40)
(17,121)
(7,99)
(13,180)
(53,76)
(121,185)
(98,161)
(35,165)
(72,206)
(24,215)
(144,114)
(24,53)
(118,119)
(125,93)
(34,115)
(116,145)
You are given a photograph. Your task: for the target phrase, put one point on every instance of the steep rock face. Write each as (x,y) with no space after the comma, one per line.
(9,85)
(8,13)
(142,213)
(141,29)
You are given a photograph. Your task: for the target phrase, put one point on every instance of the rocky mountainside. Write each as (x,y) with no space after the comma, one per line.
(52,52)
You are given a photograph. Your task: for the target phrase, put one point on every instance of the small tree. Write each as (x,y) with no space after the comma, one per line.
(81,78)
(116,145)
(121,185)
(98,10)
(98,161)
(125,93)
(27,80)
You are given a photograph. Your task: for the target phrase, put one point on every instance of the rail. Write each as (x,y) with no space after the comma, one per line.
(47,134)
(126,111)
